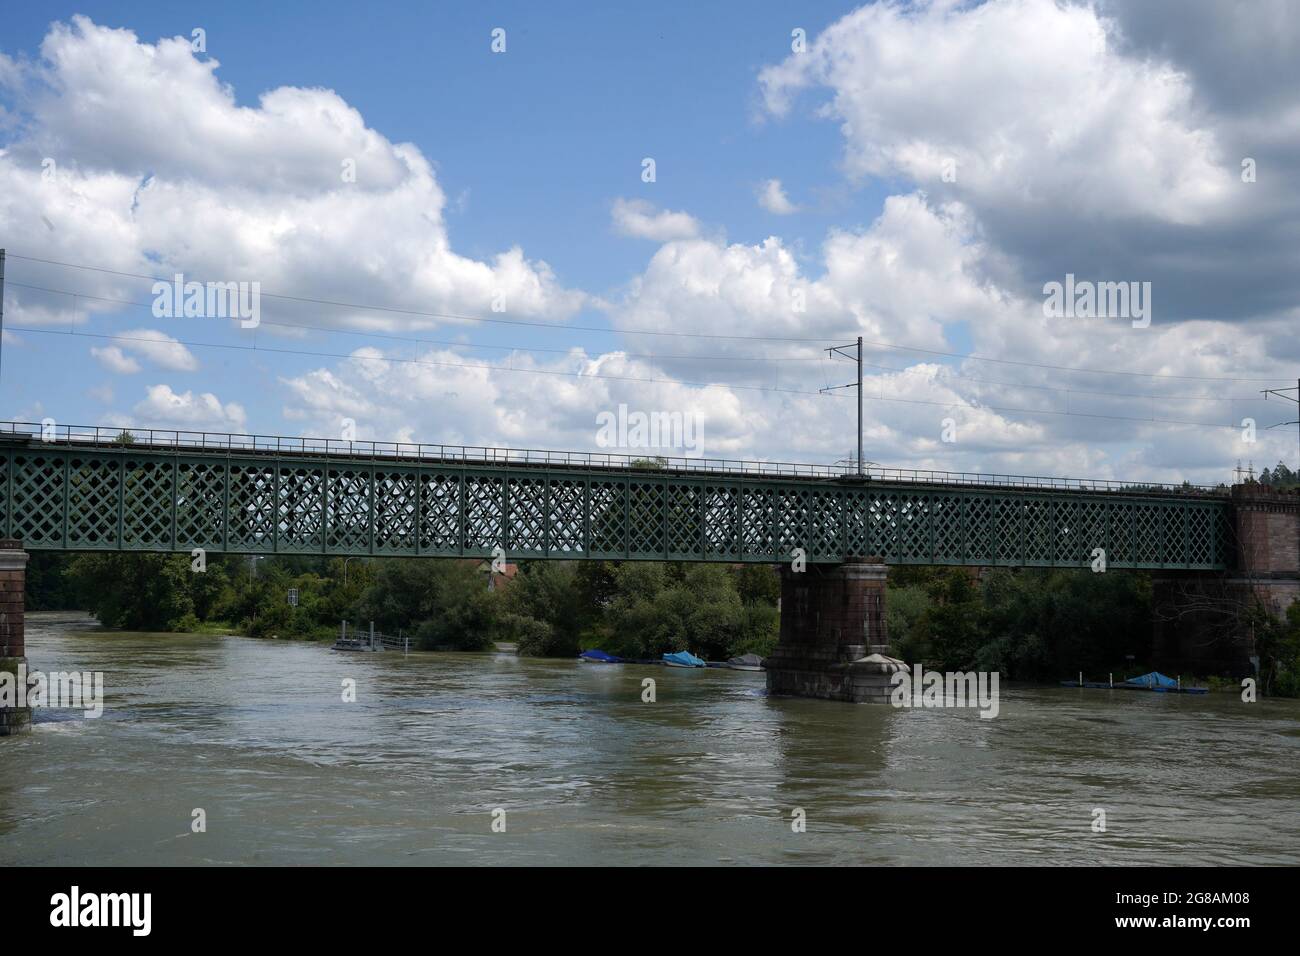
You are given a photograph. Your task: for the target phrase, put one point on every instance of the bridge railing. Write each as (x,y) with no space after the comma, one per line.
(232,443)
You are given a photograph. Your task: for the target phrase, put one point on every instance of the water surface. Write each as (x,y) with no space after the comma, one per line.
(256,733)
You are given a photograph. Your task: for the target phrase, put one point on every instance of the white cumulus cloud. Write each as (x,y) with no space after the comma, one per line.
(772,197)
(640,219)
(115,360)
(189,410)
(1021,95)
(159,170)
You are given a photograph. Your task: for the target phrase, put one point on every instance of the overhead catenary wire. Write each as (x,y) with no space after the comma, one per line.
(366,333)
(561,326)
(655,356)
(423,313)
(621,378)
(639,379)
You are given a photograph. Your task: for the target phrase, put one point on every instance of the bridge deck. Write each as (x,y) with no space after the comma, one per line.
(85,491)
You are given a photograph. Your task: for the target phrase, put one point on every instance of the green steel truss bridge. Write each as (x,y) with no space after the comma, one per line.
(78,488)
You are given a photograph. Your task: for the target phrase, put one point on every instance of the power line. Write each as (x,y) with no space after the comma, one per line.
(1276,392)
(838,351)
(404,361)
(330,330)
(656,356)
(564,327)
(1077,391)
(697,335)
(621,378)
(638,379)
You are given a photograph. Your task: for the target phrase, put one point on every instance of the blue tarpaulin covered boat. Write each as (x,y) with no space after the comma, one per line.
(1153,681)
(683,659)
(599,657)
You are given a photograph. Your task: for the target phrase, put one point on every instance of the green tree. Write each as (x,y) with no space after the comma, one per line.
(955,620)
(546,610)
(48,586)
(637,627)
(663,608)
(446,603)
(142,592)
(904,610)
(208,589)
(758,584)
(1277,642)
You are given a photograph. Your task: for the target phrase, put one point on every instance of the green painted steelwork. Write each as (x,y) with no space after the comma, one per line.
(122,498)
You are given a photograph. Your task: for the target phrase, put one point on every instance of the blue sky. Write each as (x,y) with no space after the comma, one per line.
(541,139)
(1117,162)
(531,146)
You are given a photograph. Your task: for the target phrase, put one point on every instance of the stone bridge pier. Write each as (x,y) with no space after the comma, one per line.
(1267,525)
(13,583)
(833,641)
(1199,616)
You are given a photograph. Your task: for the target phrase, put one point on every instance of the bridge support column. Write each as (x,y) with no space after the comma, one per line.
(13,585)
(1268,543)
(833,642)
(1199,623)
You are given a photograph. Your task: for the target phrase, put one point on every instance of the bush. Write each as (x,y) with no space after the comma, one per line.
(1028,624)
(1278,645)
(546,610)
(139,592)
(536,638)
(675,607)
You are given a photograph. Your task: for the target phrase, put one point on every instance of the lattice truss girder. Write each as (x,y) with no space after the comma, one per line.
(58,498)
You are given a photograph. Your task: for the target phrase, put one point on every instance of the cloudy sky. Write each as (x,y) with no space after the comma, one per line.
(673,208)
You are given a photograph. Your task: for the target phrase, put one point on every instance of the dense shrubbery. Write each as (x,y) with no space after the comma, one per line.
(1029,624)
(446,604)
(642,609)
(550,608)
(160,592)
(1278,645)
(49,588)
(139,592)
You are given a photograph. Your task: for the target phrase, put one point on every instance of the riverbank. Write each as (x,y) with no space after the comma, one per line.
(219,629)
(257,734)
(1031,624)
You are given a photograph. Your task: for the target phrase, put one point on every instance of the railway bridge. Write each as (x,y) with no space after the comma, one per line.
(74,488)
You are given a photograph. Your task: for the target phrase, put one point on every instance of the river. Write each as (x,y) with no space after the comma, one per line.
(257,735)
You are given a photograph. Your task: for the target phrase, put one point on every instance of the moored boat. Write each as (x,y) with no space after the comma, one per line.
(1154,681)
(683,659)
(599,657)
(746,662)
